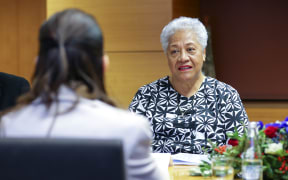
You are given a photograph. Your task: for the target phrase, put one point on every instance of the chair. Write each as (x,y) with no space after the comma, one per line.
(61,159)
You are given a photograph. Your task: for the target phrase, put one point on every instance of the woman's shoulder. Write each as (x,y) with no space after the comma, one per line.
(155,85)
(219,85)
(23,114)
(93,112)
(122,116)
(123,119)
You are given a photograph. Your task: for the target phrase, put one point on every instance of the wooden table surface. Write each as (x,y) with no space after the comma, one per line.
(182,173)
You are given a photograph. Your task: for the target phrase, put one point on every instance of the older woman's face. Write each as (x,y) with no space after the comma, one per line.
(185,55)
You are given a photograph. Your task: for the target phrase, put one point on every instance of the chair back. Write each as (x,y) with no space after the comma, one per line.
(61,159)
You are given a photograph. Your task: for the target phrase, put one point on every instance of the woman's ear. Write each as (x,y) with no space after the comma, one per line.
(105,62)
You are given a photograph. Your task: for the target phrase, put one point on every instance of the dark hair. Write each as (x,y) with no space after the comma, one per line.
(70,53)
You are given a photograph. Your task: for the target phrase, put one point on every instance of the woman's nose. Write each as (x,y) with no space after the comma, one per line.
(183,56)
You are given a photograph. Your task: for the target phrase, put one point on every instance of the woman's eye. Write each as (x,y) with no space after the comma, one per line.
(190,49)
(174,51)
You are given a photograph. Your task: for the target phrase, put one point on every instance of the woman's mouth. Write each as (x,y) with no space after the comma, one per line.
(184,68)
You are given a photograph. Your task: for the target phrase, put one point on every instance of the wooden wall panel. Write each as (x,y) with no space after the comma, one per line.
(186,8)
(266,111)
(19,24)
(31,14)
(128,25)
(9,36)
(129,71)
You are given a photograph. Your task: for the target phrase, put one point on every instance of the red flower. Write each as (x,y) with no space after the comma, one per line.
(221,149)
(270,131)
(233,142)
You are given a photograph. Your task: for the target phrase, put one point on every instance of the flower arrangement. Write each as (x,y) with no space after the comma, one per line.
(273,141)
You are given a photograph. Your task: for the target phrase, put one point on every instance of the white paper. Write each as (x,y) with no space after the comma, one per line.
(162,159)
(189,159)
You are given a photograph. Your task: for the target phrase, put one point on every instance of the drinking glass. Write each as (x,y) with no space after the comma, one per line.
(222,168)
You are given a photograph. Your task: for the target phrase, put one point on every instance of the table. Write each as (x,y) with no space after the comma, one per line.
(181,172)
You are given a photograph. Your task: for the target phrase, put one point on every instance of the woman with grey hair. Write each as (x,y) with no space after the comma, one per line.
(187,109)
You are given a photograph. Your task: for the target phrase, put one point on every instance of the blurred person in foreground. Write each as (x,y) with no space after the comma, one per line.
(187,109)
(68,98)
(11,87)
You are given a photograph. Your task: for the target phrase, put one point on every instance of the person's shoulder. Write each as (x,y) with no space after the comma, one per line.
(163,80)
(219,85)
(124,120)
(10,78)
(121,115)
(21,114)
(152,86)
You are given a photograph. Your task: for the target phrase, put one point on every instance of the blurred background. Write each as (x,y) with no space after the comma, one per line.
(247,47)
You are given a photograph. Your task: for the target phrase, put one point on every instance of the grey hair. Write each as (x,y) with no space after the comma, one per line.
(184,23)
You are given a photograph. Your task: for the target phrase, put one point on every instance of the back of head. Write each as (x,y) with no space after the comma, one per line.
(70,53)
(184,23)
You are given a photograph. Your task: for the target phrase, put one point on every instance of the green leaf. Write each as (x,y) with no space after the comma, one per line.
(285,177)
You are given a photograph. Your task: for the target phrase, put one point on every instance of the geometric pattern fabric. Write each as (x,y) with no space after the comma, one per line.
(182,124)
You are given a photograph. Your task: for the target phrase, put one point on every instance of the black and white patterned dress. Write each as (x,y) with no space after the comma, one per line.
(182,124)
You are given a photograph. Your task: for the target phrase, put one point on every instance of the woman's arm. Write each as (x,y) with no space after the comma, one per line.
(140,101)
(235,115)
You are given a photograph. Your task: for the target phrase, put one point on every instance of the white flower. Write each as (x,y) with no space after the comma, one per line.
(274,148)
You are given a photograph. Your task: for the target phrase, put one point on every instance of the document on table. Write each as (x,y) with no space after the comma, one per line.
(163,159)
(189,159)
